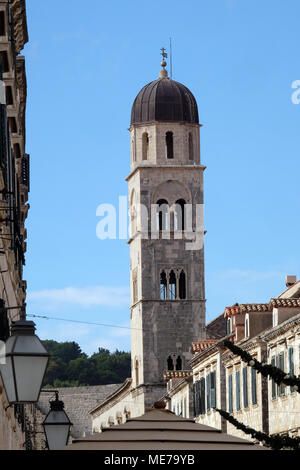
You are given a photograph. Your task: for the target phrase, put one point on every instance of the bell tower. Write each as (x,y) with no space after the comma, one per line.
(166,266)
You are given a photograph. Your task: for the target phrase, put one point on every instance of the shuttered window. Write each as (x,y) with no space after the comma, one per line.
(253,386)
(202,395)
(208,392)
(274,386)
(196,398)
(291,364)
(238,390)
(281,388)
(245,387)
(213,389)
(230,408)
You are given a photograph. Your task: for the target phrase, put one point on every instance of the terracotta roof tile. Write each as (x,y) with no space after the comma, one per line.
(245,308)
(285,303)
(177,374)
(203,344)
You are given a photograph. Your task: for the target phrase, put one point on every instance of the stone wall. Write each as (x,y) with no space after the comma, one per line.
(78,403)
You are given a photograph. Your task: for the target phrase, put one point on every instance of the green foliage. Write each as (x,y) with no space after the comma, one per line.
(70,367)
(276,441)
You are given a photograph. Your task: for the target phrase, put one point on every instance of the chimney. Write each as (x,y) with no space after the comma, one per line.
(290,280)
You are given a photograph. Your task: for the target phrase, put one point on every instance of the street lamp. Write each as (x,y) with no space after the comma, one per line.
(25,365)
(57,425)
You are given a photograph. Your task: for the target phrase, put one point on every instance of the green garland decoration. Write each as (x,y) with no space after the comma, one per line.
(278,375)
(276,442)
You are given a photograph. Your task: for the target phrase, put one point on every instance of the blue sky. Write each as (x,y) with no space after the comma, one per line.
(85,65)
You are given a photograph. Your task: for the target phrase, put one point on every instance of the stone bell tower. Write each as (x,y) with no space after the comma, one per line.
(166,268)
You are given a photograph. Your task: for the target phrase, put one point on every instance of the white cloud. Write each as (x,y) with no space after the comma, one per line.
(109,296)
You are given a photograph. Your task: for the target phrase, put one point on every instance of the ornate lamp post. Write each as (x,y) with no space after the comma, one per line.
(57,425)
(25,365)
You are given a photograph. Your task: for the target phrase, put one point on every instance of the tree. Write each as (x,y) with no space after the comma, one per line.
(69,366)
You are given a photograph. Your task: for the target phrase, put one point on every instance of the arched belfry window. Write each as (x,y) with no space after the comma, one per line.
(169,145)
(145,146)
(179,214)
(191,147)
(178,363)
(163,285)
(182,285)
(170,363)
(162,215)
(172,285)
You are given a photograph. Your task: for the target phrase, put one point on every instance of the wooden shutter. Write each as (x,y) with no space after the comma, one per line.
(291,364)
(273,363)
(281,390)
(253,386)
(245,387)
(230,408)
(213,389)
(202,395)
(238,390)
(208,392)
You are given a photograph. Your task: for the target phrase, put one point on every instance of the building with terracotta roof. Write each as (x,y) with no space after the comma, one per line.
(270,333)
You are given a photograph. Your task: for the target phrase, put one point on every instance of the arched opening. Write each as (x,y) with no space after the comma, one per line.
(133,214)
(136,366)
(182,285)
(179,215)
(178,363)
(191,147)
(170,363)
(163,285)
(162,215)
(145,146)
(172,286)
(169,145)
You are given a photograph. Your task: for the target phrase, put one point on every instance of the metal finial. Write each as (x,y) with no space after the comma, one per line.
(163,72)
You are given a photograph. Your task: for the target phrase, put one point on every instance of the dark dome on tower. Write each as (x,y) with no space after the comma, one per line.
(164,100)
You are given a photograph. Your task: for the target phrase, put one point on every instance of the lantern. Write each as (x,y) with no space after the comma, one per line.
(25,365)
(57,425)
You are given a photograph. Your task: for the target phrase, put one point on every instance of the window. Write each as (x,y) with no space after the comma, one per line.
(273,363)
(202,396)
(281,387)
(2,23)
(291,364)
(238,390)
(213,397)
(179,215)
(163,285)
(182,285)
(145,146)
(9,95)
(253,386)
(178,363)
(172,286)
(170,363)
(245,386)
(169,145)
(247,325)
(136,372)
(191,147)
(162,215)
(208,392)
(4,61)
(196,392)
(230,408)
(134,286)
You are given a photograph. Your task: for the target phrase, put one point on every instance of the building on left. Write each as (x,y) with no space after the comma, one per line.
(14,188)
